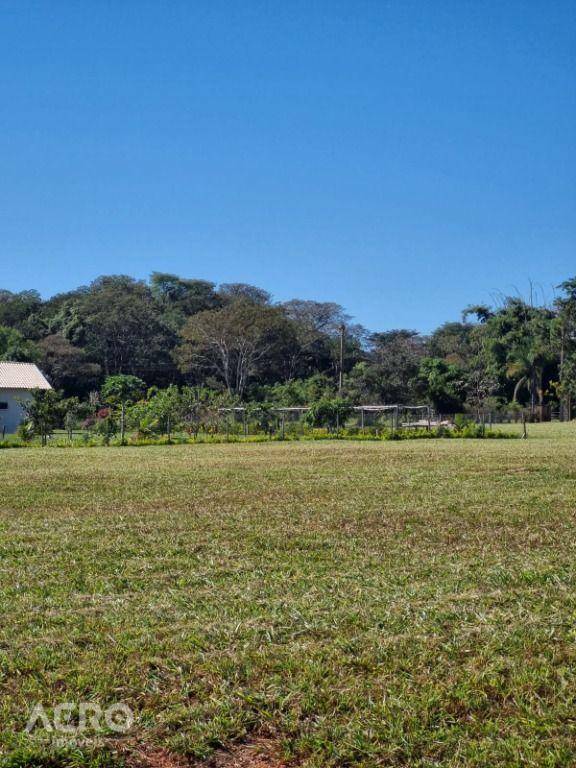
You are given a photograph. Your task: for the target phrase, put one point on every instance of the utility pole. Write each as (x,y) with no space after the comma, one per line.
(341,372)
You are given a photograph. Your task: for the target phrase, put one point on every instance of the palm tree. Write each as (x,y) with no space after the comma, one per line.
(527,363)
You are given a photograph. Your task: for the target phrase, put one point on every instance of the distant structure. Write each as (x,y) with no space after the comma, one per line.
(17,380)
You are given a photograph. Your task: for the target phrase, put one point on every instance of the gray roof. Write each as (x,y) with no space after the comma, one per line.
(22,376)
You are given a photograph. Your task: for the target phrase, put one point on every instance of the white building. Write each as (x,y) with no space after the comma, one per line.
(17,380)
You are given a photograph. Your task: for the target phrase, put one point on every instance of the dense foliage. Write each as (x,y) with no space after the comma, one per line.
(232,344)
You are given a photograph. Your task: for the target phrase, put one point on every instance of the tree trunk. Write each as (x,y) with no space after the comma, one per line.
(122,422)
(541,395)
(533,387)
(517,388)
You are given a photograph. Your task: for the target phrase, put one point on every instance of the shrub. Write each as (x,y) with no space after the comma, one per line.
(329,412)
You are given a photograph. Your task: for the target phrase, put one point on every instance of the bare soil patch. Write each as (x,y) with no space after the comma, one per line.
(259,753)
(148,757)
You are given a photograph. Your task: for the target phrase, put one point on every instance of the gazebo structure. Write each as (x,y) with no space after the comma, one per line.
(405,416)
(400,414)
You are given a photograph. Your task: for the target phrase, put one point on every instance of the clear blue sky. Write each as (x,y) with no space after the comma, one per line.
(402,158)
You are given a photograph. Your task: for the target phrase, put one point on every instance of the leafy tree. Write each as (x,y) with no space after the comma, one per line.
(179,298)
(63,315)
(14,347)
(67,366)
(19,311)
(316,317)
(122,390)
(526,363)
(566,387)
(166,405)
(43,412)
(298,391)
(481,376)
(245,292)
(442,384)
(519,343)
(316,324)
(317,327)
(389,374)
(482,312)
(565,335)
(451,343)
(123,330)
(232,343)
(73,410)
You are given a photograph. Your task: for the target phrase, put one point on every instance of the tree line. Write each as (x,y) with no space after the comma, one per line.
(232,343)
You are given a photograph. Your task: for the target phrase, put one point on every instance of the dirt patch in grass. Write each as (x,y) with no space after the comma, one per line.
(260,753)
(144,757)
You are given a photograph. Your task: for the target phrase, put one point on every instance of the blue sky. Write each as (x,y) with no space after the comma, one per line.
(402,158)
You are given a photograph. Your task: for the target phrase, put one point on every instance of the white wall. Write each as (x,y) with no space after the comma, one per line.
(11,418)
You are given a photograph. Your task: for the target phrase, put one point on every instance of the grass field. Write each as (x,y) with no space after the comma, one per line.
(335,604)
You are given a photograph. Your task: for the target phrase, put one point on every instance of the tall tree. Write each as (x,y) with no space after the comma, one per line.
(67,366)
(481,375)
(442,384)
(318,327)
(124,332)
(13,346)
(566,345)
(393,363)
(518,340)
(180,298)
(19,310)
(451,342)
(246,292)
(231,343)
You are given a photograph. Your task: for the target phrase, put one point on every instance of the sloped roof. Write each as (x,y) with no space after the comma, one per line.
(22,376)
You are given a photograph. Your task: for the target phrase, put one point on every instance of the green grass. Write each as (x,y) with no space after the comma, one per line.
(361,603)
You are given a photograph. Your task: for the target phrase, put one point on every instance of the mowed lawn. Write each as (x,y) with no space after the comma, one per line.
(352,604)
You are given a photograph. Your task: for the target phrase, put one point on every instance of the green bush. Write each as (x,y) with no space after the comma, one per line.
(92,439)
